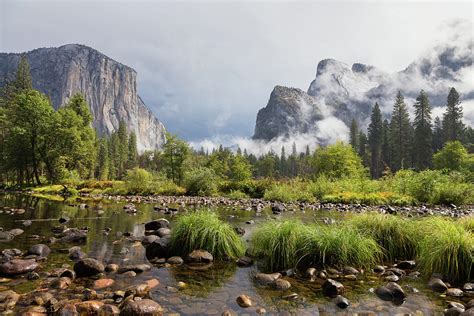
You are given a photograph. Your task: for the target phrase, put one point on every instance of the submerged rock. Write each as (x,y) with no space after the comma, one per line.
(282,285)
(157,224)
(267,278)
(158,249)
(39,250)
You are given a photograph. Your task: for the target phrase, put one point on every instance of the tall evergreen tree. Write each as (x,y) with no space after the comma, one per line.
(103,163)
(354,135)
(132,151)
(375,141)
(362,148)
(437,135)
(386,153)
(423,138)
(400,134)
(453,126)
(122,150)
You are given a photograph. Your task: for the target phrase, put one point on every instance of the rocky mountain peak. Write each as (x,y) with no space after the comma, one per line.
(110,88)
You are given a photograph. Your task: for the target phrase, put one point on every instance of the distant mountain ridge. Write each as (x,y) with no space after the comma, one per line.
(345,92)
(110,88)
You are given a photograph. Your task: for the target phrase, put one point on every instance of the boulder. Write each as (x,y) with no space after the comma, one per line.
(39,250)
(157,224)
(164,231)
(75,253)
(332,288)
(267,278)
(175,260)
(158,249)
(143,307)
(88,267)
(8,300)
(199,256)
(244,301)
(437,285)
(282,285)
(108,310)
(18,266)
(88,307)
(407,265)
(73,235)
(341,301)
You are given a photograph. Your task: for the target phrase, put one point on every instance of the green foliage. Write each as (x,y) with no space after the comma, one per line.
(204,230)
(468,223)
(337,161)
(446,248)
(396,236)
(236,195)
(453,127)
(375,141)
(294,190)
(201,181)
(138,181)
(175,152)
(401,135)
(423,140)
(339,245)
(279,243)
(453,156)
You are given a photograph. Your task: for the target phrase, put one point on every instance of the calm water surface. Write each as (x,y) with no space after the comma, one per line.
(209,292)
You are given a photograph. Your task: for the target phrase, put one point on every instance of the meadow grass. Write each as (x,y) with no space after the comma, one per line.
(204,230)
(396,236)
(446,248)
(278,242)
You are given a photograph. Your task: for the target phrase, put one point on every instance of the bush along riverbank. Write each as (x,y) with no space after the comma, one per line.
(330,257)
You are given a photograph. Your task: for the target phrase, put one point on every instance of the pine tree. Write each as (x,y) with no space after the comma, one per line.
(375,141)
(400,134)
(132,151)
(453,126)
(103,163)
(437,135)
(122,149)
(386,153)
(362,148)
(423,138)
(354,135)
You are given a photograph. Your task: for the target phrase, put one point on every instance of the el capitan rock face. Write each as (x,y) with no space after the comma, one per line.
(344,92)
(110,88)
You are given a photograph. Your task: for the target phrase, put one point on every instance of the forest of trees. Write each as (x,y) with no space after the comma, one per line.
(40,145)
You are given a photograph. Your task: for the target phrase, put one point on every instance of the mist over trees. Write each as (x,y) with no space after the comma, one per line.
(40,145)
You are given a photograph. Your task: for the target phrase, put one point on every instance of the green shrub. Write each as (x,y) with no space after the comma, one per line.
(204,230)
(201,182)
(236,195)
(446,248)
(396,236)
(294,190)
(339,245)
(138,181)
(279,243)
(453,156)
(454,193)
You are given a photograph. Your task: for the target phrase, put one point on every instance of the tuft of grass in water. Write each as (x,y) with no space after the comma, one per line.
(339,245)
(446,248)
(397,236)
(468,223)
(286,244)
(279,243)
(204,230)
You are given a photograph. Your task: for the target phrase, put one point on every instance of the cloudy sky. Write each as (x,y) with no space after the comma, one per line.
(205,68)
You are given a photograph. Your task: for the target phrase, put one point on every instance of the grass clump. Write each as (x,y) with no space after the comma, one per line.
(446,248)
(467,223)
(396,236)
(290,243)
(204,230)
(279,243)
(339,245)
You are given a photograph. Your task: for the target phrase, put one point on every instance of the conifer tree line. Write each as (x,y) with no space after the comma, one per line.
(40,145)
(404,144)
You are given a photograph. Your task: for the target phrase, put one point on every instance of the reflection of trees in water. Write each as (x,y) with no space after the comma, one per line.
(201,282)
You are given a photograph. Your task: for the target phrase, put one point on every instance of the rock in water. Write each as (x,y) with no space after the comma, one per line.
(244,301)
(199,256)
(157,224)
(8,300)
(88,267)
(332,288)
(437,285)
(39,250)
(18,266)
(110,88)
(143,307)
